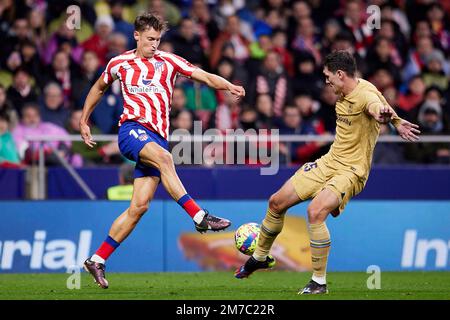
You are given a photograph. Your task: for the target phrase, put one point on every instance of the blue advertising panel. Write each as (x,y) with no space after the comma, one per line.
(51,236)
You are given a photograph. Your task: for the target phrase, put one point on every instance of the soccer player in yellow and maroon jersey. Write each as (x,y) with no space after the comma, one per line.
(338,175)
(147,77)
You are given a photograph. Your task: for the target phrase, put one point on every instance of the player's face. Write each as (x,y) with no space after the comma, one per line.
(334,80)
(147,41)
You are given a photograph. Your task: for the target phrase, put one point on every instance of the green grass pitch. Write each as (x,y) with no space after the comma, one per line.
(279,285)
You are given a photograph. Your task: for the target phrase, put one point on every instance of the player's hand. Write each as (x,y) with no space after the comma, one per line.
(408,131)
(385,115)
(86,135)
(237,91)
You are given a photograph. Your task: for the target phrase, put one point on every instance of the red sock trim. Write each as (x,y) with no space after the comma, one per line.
(191,207)
(105,250)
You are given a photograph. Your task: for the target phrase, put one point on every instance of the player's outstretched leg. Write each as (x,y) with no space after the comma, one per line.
(271,226)
(320,242)
(156,156)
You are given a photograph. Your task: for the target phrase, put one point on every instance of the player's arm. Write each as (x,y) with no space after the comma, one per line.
(407,130)
(217,82)
(384,113)
(95,94)
(380,112)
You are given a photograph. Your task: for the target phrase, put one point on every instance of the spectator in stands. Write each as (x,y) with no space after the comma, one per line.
(330,31)
(354,22)
(200,99)
(433,73)
(117,44)
(21,91)
(434,93)
(227,112)
(292,124)
(344,41)
(309,111)
(107,113)
(307,40)
(409,101)
(63,39)
(8,152)
(187,43)
(230,34)
(432,121)
(248,118)
(30,59)
(120,25)
(391,11)
(264,107)
(178,102)
(52,105)
(440,26)
(82,155)
(272,80)
(183,120)
(380,57)
(30,126)
(390,30)
(20,32)
(300,10)
(63,71)
(421,29)
(416,59)
(382,79)
(89,73)
(279,41)
(7,108)
(36,19)
(206,26)
(307,78)
(98,42)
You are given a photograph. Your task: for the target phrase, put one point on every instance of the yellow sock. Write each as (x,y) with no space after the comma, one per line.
(320,247)
(270,228)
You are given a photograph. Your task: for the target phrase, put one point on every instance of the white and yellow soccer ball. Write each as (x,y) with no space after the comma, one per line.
(246,237)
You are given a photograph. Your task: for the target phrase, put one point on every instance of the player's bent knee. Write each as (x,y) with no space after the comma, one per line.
(276,204)
(314,214)
(164,159)
(137,211)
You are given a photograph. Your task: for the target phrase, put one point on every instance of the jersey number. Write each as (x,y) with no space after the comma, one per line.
(308,166)
(136,135)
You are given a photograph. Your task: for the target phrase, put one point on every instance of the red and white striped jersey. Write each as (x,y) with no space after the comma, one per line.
(147,86)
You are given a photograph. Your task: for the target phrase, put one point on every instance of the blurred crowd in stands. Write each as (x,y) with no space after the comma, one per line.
(273,48)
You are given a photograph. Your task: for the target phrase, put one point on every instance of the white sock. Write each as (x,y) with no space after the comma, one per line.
(199,216)
(259,258)
(98,259)
(319,280)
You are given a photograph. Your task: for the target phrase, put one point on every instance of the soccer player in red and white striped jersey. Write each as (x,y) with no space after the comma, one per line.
(147,77)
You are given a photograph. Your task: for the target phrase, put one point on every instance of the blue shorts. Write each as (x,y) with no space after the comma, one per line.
(132,138)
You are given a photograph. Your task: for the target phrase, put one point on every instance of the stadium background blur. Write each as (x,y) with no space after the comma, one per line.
(275,49)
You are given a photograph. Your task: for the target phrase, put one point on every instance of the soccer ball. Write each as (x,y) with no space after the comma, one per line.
(246,237)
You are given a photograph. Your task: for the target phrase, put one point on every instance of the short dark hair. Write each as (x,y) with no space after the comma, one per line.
(341,60)
(149,20)
(4,116)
